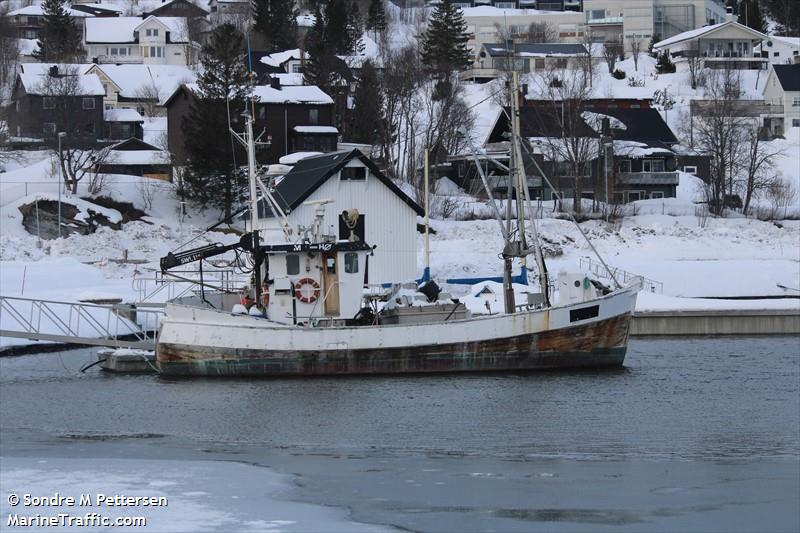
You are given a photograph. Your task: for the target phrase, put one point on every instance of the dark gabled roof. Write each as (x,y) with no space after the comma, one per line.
(642,125)
(310,173)
(788,76)
(133,144)
(537,49)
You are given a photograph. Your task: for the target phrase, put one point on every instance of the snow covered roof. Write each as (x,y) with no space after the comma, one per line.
(595,121)
(37,10)
(706,31)
(303,94)
(121,29)
(306,20)
(537,49)
(316,129)
(491,11)
(638,149)
(279,58)
(137,157)
(88,84)
(292,159)
(41,69)
(122,115)
(133,79)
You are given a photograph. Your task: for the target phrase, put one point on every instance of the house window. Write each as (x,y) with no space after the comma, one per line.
(633,196)
(297,68)
(657,194)
(351,263)
(292,264)
(50,127)
(153,51)
(354,173)
(690,169)
(505,5)
(48,102)
(152,32)
(88,103)
(796,122)
(796,101)
(313,116)
(625,166)
(595,14)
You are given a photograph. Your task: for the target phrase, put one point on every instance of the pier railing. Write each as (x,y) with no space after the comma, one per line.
(623,276)
(118,325)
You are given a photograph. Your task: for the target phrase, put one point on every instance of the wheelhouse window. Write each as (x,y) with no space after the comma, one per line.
(351,263)
(292,264)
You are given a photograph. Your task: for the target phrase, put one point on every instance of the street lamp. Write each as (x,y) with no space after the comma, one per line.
(61,135)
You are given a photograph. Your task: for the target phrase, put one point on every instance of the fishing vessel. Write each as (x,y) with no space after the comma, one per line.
(308,312)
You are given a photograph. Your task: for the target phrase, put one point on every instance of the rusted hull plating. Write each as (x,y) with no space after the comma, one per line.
(598,344)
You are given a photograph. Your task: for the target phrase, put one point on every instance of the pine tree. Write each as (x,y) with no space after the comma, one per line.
(444,44)
(276,20)
(355,30)
(664,64)
(376,17)
(750,16)
(213,179)
(367,116)
(59,37)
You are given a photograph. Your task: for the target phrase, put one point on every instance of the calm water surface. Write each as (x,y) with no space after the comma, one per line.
(700,434)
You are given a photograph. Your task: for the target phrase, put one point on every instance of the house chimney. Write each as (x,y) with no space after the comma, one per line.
(275,83)
(54,71)
(729,16)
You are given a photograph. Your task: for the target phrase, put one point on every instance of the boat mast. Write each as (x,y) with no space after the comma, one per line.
(517,175)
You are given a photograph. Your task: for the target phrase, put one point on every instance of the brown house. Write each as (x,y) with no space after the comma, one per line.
(294,119)
(177,8)
(43,105)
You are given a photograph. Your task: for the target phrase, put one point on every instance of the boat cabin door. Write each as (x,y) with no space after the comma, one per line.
(330,283)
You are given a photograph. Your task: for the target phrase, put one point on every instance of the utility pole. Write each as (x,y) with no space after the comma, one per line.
(61,135)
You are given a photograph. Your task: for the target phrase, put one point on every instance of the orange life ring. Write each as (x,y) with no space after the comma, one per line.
(245,299)
(298,290)
(265,295)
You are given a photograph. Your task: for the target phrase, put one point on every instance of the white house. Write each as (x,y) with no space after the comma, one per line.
(387,215)
(727,44)
(782,88)
(141,87)
(780,49)
(152,41)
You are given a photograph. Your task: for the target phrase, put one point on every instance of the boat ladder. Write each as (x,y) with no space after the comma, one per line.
(116,325)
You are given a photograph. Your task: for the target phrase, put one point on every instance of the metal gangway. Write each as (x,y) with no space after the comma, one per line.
(115,325)
(623,276)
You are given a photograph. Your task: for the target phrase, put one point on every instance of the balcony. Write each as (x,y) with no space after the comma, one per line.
(118,60)
(647,178)
(479,73)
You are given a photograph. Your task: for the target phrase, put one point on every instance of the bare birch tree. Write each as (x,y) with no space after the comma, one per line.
(694,63)
(719,132)
(562,104)
(755,165)
(636,48)
(611,51)
(78,152)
